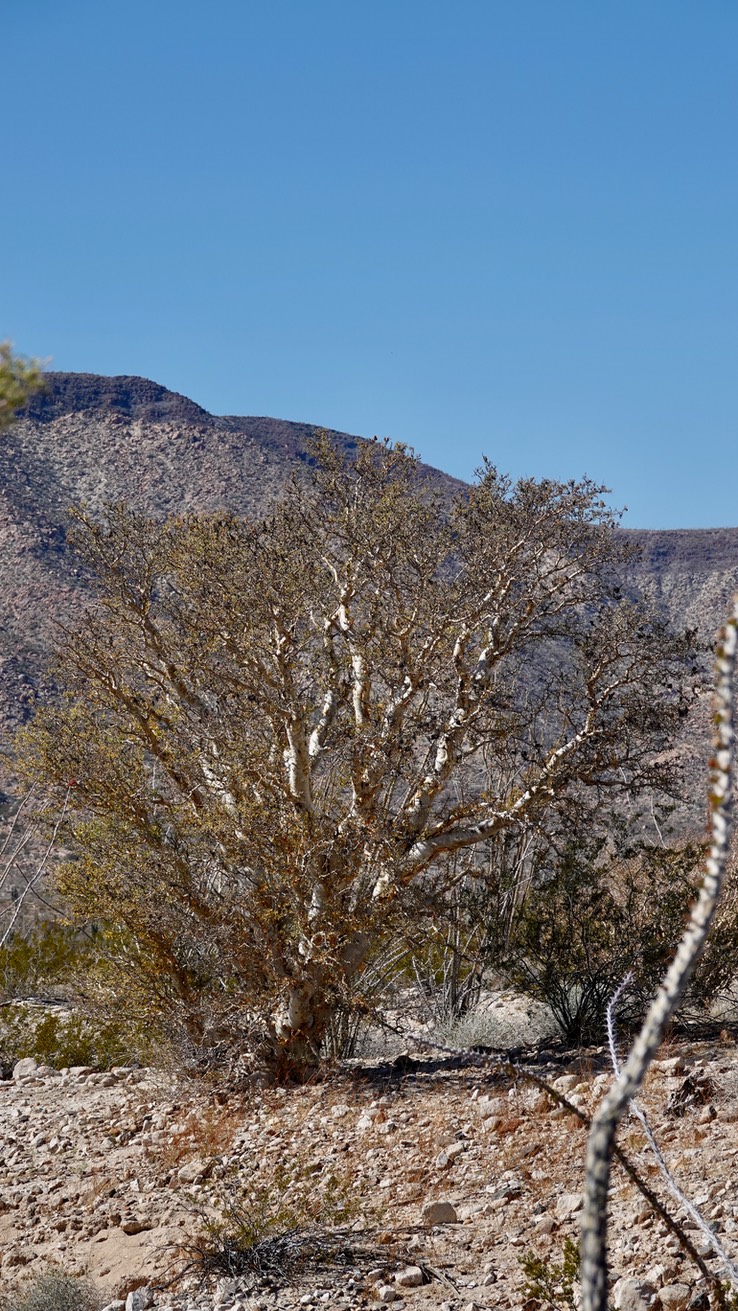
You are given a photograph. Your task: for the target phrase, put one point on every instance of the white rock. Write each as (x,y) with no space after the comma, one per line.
(410,1277)
(191,1172)
(486,1106)
(567,1205)
(544,1224)
(140,1299)
(225,1291)
(655,1275)
(387,1293)
(671,1067)
(674,1297)
(449,1154)
(566,1083)
(375,1276)
(629,1295)
(25,1068)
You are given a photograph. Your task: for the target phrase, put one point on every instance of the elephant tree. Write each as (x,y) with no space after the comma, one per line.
(277,732)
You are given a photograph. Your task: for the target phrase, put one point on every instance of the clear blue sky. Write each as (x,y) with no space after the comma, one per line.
(499,226)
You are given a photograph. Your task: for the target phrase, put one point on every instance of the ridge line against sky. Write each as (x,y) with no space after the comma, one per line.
(501,228)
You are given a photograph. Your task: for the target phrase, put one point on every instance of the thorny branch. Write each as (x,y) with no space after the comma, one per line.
(601,1144)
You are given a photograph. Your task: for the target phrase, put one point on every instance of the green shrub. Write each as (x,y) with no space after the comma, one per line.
(58,1038)
(41,961)
(552,1283)
(592,919)
(273,1217)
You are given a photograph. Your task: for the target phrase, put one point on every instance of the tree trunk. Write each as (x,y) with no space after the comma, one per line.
(299,1027)
(300,1024)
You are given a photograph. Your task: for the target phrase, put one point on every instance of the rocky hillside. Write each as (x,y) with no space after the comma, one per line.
(93,439)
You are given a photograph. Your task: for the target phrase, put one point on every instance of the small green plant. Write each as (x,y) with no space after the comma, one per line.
(58,1038)
(273,1219)
(551,1283)
(592,916)
(53,1291)
(40,961)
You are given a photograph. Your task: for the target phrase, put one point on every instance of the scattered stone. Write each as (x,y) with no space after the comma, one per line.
(439,1213)
(449,1154)
(671,1067)
(133,1225)
(192,1172)
(140,1299)
(674,1297)
(88,1166)
(412,1277)
(544,1224)
(566,1083)
(567,1205)
(485,1107)
(25,1068)
(631,1295)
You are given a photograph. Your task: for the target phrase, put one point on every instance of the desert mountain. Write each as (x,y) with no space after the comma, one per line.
(94,439)
(97,439)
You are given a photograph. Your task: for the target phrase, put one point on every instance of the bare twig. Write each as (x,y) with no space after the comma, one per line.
(519,1072)
(729,1268)
(34,878)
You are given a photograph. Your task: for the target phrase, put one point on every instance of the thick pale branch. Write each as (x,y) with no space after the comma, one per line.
(423,852)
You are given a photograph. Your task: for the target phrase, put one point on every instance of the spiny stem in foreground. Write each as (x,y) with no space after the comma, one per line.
(604,1125)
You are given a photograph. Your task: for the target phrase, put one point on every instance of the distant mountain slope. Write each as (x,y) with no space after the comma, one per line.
(98,439)
(692,573)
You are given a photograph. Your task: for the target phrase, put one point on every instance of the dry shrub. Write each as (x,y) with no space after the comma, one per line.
(207,1134)
(269,1216)
(53,1290)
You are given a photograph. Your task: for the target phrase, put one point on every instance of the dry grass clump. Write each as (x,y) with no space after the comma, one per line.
(206,1134)
(267,1216)
(53,1291)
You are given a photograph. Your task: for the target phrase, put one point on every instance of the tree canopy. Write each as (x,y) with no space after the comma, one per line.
(276,733)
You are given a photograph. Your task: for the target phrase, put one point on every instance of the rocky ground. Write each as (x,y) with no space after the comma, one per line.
(422,1182)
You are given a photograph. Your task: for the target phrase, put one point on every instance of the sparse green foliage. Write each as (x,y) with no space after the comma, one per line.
(61,1038)
(273,1218)
(552,1283)
(19,379)
(38,962)
(591,917)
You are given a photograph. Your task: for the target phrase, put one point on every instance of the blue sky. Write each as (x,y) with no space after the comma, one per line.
(479,227)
